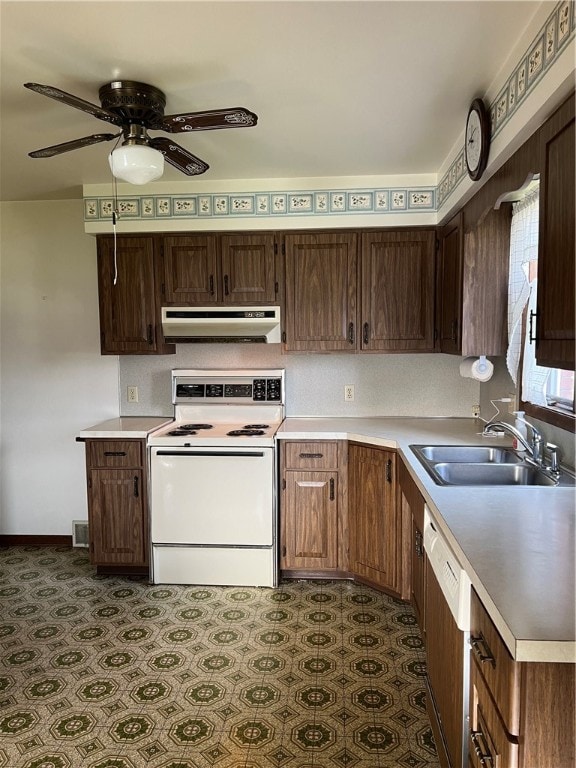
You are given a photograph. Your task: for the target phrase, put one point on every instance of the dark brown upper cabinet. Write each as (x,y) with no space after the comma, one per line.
(208,269)
(397,304)
(360,291)
(472,284)
(555,300)
(449,286)
(321,287)
(130,320)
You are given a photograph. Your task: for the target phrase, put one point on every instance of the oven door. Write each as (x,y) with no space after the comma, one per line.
(212,496)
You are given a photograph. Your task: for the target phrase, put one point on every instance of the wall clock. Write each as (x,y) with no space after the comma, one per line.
(477,139)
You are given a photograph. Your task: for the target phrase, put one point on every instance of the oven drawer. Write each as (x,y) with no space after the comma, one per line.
(114,453)
(494,662)
(313,455)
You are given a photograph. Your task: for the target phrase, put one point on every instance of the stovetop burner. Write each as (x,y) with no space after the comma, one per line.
(182,431)
(196,426)
(245,432)
(256,426)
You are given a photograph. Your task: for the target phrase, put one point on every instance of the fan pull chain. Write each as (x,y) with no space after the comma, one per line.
(115,217)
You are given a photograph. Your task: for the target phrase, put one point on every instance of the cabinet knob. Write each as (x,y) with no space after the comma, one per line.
(532,336)
(331,489)
(351,333)
(136,490)
(226,290)
(481,649)
(389,471)
(311,455)
(481,748)
(366,333)
(150,335)
(211,285)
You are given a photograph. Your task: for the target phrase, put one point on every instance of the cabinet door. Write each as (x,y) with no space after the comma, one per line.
(310,520)
(190,270)
(398,291)
(116,507)
(485,284)
(449,287)
(417,568)
(372,515)
(321,291)
(445,668)
(555,301)
(248,273)
(126,289)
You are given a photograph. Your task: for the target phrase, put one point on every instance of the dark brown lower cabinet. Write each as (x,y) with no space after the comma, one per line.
(445,662)
(117,504)
(311,508)
(522,714)
(375,536)
(412,504)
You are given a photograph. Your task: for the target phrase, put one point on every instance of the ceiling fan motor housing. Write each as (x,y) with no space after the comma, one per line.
(134,102)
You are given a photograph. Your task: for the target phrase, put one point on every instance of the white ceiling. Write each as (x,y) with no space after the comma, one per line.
(340,88)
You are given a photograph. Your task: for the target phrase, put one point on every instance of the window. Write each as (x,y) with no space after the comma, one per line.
(545,393)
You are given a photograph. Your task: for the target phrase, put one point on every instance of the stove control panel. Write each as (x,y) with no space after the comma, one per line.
(232,389)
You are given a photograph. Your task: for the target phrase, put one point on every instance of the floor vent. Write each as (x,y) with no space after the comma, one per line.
(80,533)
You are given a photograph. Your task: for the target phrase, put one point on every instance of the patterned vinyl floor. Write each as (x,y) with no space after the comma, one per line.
(110,672)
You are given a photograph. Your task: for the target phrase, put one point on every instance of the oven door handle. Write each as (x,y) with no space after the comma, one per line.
(210,453)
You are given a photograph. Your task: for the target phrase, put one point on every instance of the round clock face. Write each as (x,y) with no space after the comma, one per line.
(477,140)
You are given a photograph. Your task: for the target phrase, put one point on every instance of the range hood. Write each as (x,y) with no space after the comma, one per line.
(221,324)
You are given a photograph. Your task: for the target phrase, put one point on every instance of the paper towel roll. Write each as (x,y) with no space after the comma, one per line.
(479,368)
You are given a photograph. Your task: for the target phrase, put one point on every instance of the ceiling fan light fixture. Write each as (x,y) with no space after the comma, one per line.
(136,163)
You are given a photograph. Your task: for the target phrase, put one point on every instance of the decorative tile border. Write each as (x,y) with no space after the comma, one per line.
(553,37)
(263,204)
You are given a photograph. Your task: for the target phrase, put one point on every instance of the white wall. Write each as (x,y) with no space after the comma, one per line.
(53,380)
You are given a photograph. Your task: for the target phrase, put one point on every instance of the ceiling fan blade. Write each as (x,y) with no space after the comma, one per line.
(234,117)
(75,101)
(58,149)
(179,157)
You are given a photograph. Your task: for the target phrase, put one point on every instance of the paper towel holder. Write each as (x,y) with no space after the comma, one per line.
(482,363)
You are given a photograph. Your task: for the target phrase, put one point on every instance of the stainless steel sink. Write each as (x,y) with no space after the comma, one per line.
(455,473)
(482,465)
(467,453)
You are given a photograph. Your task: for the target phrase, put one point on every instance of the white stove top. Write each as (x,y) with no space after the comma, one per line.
(211,404)
(195,432)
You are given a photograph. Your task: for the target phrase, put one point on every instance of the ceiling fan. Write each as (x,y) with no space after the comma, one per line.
(137,108)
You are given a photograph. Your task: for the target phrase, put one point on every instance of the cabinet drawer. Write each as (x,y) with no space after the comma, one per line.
(322,455)
(114,453)
(488,742)
(499,670)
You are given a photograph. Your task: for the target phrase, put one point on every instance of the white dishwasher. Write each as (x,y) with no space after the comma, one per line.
(448,593)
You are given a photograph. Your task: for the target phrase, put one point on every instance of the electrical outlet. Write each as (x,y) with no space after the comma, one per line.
(475,411)
(349,393)
(132,394)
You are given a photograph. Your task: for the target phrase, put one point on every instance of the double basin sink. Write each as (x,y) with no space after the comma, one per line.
(484,465)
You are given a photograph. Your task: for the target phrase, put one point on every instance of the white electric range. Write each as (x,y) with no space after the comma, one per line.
(213,473)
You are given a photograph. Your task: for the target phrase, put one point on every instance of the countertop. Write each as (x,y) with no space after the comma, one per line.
(517,544)
(127,427)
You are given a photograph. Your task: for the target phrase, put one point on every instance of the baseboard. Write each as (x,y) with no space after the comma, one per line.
(18,540)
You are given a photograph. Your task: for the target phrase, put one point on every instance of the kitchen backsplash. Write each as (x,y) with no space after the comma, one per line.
(384,385)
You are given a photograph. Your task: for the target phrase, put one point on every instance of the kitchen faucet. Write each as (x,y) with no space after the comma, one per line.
(535,448)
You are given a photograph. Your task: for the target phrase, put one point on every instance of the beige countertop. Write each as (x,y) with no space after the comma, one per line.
(127,427)
(516,543)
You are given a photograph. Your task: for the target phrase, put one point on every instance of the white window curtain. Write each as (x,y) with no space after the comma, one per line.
(523,250)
